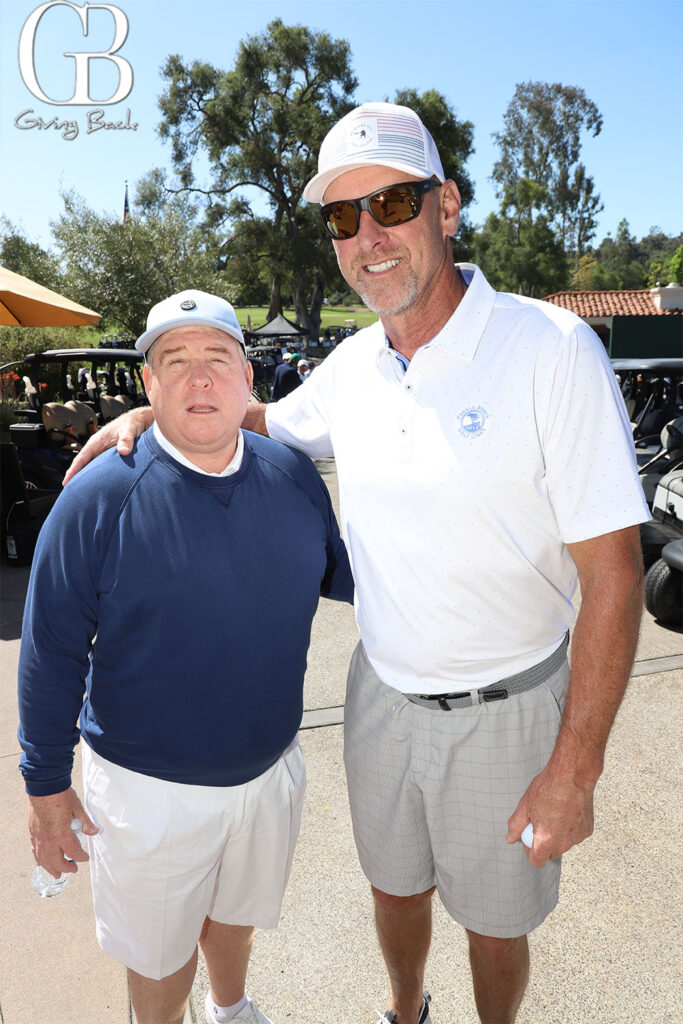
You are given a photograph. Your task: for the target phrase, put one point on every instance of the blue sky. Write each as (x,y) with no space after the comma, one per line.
(625,55)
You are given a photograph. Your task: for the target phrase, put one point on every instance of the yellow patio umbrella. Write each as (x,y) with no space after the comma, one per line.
(27,304)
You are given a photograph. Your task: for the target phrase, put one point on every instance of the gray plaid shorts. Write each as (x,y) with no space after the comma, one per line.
(431,793)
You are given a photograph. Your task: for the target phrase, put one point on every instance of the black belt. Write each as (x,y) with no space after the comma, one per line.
(501,690)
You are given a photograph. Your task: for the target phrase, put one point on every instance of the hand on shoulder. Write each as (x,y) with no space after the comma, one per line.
(119,433)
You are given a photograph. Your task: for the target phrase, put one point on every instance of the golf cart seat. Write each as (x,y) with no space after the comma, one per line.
(69,425)
(84,418)
(112,406)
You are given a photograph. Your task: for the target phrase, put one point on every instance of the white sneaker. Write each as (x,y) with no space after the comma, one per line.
(250,1014)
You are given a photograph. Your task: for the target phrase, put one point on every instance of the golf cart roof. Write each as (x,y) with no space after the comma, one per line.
(669,367)
(94,355)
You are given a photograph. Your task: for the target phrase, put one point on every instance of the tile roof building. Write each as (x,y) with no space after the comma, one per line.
(630,321)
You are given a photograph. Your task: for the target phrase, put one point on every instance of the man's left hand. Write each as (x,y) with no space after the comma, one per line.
(561,812)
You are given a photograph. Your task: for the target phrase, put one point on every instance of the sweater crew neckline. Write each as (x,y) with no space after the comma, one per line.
(196,476)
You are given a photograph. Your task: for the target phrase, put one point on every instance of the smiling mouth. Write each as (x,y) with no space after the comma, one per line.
(379,268)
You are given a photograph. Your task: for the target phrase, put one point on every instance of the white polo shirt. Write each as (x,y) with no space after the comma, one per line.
(462,481)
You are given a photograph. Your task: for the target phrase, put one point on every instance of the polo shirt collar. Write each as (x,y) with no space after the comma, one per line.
(462,333)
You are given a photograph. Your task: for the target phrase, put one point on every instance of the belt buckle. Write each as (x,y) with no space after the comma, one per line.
(489,695)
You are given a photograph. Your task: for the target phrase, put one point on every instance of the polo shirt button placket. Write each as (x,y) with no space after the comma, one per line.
(406,424)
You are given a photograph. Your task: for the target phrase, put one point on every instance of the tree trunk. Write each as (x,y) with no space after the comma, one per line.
(300,305)
(275,306)
(316,305)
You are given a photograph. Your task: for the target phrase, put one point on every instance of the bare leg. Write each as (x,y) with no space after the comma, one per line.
(500,973)
(162,1002)
(226,949)
(404,930)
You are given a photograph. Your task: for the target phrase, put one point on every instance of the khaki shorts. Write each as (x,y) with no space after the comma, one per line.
(168,855)
(431,792)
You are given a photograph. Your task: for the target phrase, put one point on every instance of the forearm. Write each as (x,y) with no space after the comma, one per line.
(255,418)
(559,801)
(603,649)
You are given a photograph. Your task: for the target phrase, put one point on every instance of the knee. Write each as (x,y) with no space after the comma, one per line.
(495,948)
(385,901)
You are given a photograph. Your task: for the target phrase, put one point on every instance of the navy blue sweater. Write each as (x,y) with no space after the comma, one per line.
(180,605)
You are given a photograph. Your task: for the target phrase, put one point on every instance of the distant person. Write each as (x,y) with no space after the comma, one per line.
(285,379)
(304,369)
(141,601)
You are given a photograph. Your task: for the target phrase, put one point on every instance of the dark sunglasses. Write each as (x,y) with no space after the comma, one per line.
(395,204)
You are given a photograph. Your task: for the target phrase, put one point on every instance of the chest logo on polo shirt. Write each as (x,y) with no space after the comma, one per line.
(472,421)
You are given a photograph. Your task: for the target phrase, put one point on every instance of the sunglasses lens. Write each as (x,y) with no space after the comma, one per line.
(395,205)
(341,219)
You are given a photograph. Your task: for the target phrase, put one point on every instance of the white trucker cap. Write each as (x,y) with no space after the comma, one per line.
(375,133)
(190,308)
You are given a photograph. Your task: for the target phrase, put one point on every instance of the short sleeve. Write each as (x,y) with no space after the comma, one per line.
(590,460)
(302,419)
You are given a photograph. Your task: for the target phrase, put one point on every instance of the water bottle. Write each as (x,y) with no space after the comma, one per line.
(43,882)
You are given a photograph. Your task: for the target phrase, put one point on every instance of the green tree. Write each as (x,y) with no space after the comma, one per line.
(261,125)
(621,258)
(123,269)
(541,142)
(21,256)
(658,251)
(676,267)
(520,252)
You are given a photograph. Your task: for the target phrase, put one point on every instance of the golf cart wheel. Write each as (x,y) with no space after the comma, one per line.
(664,593)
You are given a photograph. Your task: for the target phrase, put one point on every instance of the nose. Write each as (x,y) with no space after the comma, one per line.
(369,231)
(200,376)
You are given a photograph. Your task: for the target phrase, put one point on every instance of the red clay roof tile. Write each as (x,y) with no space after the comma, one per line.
(637,302)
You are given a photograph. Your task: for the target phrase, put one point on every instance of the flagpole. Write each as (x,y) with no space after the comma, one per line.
(126,207)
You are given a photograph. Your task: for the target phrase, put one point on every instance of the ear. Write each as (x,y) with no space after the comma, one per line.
(146,372)
(449,200)
(249,375)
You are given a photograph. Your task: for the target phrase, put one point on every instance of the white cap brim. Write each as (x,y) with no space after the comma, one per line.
(146,340)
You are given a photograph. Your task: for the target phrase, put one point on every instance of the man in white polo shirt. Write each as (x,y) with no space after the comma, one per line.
(485,466)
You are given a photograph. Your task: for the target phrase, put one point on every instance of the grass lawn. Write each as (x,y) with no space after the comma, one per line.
(331,316)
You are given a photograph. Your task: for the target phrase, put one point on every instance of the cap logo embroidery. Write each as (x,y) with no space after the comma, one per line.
(363,135)
(188,304)
(472,421)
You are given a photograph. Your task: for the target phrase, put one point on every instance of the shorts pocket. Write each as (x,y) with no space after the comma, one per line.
(294,762)
(556,687)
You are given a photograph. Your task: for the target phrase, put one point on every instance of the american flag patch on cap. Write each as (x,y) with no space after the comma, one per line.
(375,133)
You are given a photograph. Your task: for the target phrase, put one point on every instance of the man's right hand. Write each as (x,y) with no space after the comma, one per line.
(55,846)
(120,432)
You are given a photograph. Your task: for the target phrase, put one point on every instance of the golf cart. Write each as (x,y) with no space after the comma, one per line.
(653,394)
(92,387)
(663,537)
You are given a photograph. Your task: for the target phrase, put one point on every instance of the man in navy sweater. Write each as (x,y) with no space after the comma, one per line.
(140,621)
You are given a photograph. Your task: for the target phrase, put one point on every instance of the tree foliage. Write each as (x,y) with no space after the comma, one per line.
(520,253)
(541,142)
(261,125)
(625,262)
(27,258)
(122,270)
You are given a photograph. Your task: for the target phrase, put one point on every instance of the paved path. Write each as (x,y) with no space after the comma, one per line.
(608,955)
